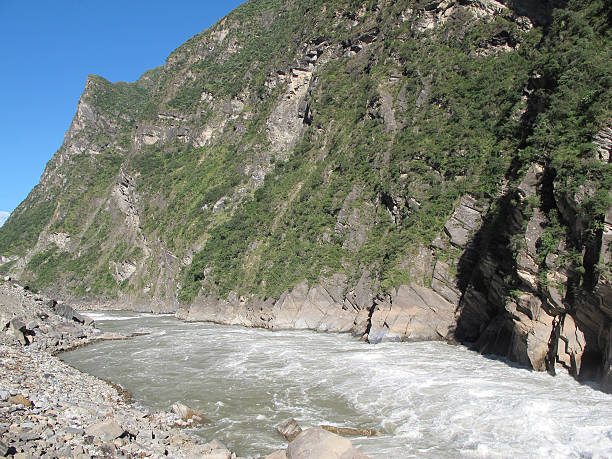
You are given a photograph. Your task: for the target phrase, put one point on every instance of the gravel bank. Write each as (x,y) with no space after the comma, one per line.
(49,409)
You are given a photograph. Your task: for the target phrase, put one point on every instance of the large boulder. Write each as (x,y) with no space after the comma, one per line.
(69,313)
(317,443)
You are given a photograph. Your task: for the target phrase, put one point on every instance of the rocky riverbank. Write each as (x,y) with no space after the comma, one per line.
(50,409)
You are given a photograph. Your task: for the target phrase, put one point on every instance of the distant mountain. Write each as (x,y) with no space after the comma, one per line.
(399,169)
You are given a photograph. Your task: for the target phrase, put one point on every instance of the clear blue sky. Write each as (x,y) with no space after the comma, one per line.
(47,49)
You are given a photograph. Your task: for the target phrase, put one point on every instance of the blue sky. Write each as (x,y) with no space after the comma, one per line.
(49,47)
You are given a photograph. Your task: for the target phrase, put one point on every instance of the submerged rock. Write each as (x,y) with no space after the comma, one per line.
(351,431)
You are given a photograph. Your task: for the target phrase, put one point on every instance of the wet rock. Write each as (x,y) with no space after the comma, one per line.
(317,443)
(88,321)
(351,431)
(311,308)
(571,345)
(606,382)
(189,414)
(289,429)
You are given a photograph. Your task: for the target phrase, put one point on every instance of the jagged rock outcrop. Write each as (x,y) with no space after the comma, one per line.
(553,317)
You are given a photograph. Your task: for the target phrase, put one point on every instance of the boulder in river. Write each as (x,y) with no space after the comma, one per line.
(289,429)
(317,443)
(189,414)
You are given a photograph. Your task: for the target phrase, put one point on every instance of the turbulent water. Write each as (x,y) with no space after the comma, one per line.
(430,400)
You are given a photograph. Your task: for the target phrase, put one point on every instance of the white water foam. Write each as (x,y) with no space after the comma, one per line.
(429,400)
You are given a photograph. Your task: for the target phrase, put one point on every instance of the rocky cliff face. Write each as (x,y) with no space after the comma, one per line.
(398,170)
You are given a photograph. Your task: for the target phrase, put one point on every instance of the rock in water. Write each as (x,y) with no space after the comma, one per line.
(317,443)
(351,431)
(189,414)
(289,429)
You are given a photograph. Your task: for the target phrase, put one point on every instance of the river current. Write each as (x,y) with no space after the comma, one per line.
(430,400)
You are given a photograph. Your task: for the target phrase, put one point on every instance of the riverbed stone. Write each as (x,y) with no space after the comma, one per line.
(289,429)
(351,431)
(189,414)
(316,443)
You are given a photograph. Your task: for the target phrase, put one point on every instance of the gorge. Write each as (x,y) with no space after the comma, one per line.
(400,170)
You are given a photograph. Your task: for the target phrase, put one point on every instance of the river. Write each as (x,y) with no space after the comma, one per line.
(430,400)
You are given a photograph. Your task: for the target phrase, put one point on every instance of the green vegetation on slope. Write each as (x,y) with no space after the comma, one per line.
(399,132)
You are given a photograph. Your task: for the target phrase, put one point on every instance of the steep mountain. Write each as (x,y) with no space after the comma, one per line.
(398,169)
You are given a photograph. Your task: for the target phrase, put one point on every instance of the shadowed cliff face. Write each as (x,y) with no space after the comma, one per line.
(400,170)
(540,13)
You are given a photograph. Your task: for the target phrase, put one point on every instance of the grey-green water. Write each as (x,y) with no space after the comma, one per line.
(430,400)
